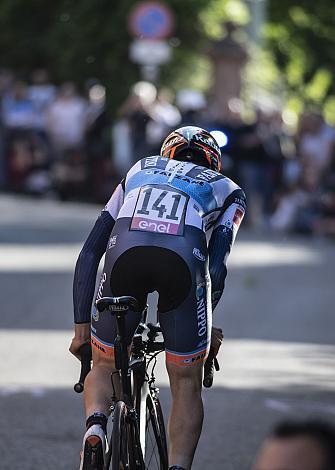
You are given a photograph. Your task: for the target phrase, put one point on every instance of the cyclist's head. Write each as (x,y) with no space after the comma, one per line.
(193,144)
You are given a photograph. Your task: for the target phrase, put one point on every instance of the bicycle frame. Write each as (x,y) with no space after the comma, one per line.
(134,398)
(138,391)
(122,360)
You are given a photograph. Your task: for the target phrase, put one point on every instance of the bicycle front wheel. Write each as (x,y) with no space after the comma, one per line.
(156,456)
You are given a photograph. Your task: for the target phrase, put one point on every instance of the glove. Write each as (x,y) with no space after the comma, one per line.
(216,339)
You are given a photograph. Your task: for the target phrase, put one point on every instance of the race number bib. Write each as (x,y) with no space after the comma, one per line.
(159,210)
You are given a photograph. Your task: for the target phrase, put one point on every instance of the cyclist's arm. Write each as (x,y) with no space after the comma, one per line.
(90,256)
(222,240)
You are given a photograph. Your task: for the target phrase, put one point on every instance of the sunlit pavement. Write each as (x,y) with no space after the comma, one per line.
(246,364)
(278,359)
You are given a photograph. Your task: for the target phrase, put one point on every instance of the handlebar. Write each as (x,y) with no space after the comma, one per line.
(85,358)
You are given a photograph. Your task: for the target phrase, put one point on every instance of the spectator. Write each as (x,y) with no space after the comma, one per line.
(66,124)
(294,445)
(18,116)
(70,176)
(192,105)
(66,120)
(101,170)
(42,94)
(20,163)
(18,111)
(129,132)
(297,210)
(315,142)
(261,162)
(96,109)
(164,116)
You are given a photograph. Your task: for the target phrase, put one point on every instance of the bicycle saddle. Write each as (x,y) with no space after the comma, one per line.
(118,304)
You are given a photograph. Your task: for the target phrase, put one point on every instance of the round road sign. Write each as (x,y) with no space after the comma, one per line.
(151,20)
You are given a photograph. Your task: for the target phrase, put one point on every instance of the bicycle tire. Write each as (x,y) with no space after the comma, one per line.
(125,443)
(156,455)
(120,438)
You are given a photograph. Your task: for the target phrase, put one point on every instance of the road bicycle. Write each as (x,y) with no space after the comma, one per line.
(137,437)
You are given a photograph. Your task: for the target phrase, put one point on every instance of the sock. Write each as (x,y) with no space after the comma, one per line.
(97,418)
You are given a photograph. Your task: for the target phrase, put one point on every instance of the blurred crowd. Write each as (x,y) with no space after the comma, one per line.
(289,177)
(54,141)
(58,142)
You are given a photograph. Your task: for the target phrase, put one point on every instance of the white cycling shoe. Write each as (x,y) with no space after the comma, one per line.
(95,449)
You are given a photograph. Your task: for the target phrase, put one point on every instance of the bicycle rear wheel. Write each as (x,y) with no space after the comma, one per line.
(125,443)
(156,456)
(120,438)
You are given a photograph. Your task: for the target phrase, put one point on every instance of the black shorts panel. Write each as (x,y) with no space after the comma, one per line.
(144,269)
(182,282)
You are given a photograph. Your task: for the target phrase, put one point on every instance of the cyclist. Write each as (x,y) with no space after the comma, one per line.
(168,227)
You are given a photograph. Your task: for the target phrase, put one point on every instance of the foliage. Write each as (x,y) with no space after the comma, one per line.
(81,40)
(223,10)
(301,38)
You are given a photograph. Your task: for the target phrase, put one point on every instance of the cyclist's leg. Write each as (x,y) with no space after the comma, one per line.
(98,389)
(97,395)
(186,331)
(186,415)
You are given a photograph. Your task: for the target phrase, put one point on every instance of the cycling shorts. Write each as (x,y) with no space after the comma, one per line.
(138,263)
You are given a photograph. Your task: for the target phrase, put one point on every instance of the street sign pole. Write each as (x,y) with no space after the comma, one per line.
(150,23)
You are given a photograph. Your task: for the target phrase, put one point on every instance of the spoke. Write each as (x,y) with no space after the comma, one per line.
(153,443)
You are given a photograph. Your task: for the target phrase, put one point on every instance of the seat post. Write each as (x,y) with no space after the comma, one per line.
(124,360)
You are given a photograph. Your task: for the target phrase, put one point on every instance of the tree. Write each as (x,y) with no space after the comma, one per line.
(301,38)
(80,40)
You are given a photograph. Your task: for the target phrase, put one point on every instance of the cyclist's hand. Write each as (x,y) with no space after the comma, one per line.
(216,339)
(82,335)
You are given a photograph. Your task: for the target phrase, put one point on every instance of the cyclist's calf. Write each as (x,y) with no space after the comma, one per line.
(185,378)
(98,384)
(186,415)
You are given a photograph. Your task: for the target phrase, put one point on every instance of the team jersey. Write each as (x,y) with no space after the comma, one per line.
(163,196)
(169,198)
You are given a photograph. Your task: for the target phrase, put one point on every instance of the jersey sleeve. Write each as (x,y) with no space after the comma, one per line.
(90,256)
(114,204)
(234,210)
(222,240)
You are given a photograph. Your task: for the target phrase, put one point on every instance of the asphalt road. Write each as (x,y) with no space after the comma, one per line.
(278,360)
